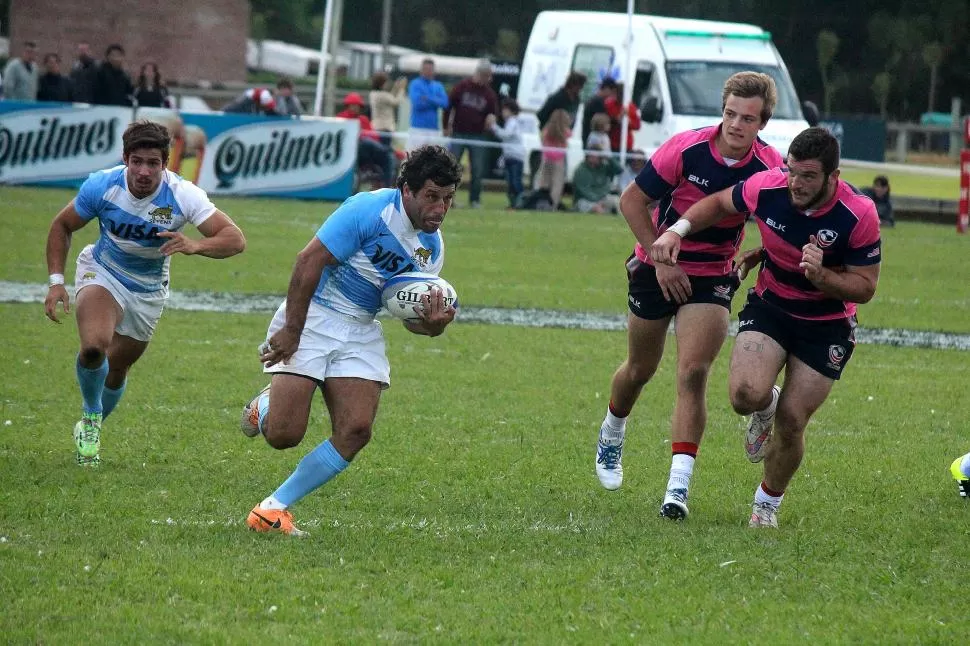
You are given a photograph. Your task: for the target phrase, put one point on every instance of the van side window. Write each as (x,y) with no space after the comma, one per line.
(646,85)
(596,62)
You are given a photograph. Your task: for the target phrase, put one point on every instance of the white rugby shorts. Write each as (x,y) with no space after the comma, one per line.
(334,345)
(141,310)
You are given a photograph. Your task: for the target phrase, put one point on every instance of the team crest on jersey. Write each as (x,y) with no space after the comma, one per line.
(826,237)
(160,215)
(421,256)
(723,291)
(88,275)
(836,357)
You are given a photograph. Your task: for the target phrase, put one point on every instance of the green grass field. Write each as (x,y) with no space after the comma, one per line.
(474,516)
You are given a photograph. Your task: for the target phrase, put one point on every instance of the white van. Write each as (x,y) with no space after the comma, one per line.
(677,71)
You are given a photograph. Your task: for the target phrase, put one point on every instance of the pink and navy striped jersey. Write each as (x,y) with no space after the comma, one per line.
(847,230)
(686,169)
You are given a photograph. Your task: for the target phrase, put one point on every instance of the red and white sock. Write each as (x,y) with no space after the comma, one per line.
(682,465)
(765,495)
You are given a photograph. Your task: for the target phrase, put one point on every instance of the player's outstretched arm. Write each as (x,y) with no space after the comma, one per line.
(698,217)
(307,271)
(222,239)
(58,242)
(435,315)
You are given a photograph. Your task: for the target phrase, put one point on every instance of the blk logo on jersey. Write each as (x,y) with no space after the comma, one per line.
(694,179)
(826,237)
(780,228)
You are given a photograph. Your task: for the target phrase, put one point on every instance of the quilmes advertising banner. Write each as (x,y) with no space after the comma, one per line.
(56,143)
(229,154)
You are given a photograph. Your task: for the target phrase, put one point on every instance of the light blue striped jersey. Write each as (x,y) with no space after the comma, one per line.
(372,237)
(128,244)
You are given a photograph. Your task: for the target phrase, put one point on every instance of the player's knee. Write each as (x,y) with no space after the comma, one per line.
(280,435)
(92,355)
(640,373)
(745,398)
(693,376)
(355,435)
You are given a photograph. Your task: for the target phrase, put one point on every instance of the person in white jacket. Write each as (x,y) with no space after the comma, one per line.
(513,149)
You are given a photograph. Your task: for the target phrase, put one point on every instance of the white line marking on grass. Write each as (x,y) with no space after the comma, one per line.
(13,292)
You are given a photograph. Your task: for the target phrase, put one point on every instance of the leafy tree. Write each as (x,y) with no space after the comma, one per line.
(881,85)
(434,34)
(827,44)
(932,56)
(507,45)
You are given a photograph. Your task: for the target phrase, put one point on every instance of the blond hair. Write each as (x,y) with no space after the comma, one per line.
(747,85)
(600,122)
(558,125)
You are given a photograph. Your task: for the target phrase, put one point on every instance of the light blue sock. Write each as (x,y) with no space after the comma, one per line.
(262,404)
(92,385)
(110,398)
(315,469)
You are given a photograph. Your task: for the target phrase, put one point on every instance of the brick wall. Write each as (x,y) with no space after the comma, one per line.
(190,40)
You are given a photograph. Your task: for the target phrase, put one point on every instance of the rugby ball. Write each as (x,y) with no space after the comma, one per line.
(402,293)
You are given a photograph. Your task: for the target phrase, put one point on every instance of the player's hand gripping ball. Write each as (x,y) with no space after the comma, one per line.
(403,293)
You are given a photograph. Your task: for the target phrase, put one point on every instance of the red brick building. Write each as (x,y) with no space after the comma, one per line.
(190,40)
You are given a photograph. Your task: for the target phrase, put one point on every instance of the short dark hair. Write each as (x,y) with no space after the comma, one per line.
(29,44)
(378,80)
(114,47)
(881,180)
(143,134)
(576,79)
(427,60)
(429,162)
(608,84)
(49,55)
(284,82)
(816,143)
(511,104)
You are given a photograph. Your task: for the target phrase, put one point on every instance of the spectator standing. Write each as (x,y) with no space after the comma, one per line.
(52,85)
(552,171)
(151,92)
(614,108)
(287,103)
(113,85)
(597,104)
(20,75)
(385,98)
(470,103)
(84,74)
(565,98)
(513,150)
(599,135)
(879,194)
(427,96)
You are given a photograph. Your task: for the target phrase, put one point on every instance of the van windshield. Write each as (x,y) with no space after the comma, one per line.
(695,87)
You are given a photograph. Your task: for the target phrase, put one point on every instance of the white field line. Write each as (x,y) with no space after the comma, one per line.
(13,292)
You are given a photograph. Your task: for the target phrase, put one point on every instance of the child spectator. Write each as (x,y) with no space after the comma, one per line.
(599,135)
(512,148)
(552,170)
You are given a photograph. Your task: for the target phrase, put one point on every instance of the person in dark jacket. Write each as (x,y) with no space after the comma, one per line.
(151,92)
(84,74)
(565,98)
(597,104)
(879,194)
(113,85)
(52,85)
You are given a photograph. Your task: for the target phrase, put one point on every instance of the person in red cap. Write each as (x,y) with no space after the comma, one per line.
(256,100)
(370,150)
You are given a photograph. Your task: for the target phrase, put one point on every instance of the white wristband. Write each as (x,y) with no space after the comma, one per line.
(681,227)
(55,279)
